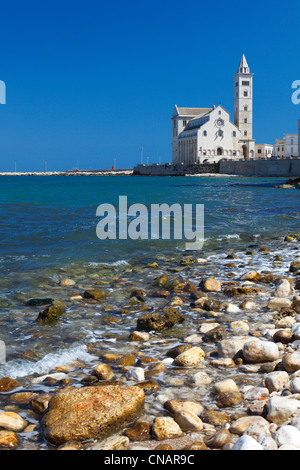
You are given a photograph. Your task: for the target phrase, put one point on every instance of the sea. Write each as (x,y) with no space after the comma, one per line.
(49,233)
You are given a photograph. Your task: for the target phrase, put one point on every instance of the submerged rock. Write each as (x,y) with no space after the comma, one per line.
(159,321)
(52,313)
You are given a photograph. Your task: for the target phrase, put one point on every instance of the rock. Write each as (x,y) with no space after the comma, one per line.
(215,334)
(215,418)
(67,283)
(291,361)
(231,308)
(276,380)
(226,385)
(295,385)
(283,336)
(39,302)
(136,373)
(283,288)
(277,303)
(296,331)
(280,409)
(219,440)
(205,327)
(7,384)
(241,327)
(229,399)
(247,443)
(188,421)
(8,439)
(12,421)
(226,362)
(295,266)
(91,412)
(174,352)
(139,294)
(296,305)
(251,276)
(234,291)
(94,294)
(231,347)
(260,351)
(287,435)
(178,406)
(212,285)
(256,393)
(241,425)
(190,358)
(268,443)
(162,280)
(139,336)
(128,360)
(165,428)
(157,322)
(111,443)
(103,372)
(40,403)
(201,378)
(139,432)
(197,445)
(52,313)
(71,446)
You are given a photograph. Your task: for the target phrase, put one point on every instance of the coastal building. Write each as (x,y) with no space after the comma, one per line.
(207,135)
(288,147)
(263,151)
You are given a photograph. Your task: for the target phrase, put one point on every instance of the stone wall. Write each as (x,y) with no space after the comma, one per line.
(175,169)
(263,168)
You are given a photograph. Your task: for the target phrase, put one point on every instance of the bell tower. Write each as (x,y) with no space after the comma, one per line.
(243,100)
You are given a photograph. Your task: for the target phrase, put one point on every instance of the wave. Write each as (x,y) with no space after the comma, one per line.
(18,368)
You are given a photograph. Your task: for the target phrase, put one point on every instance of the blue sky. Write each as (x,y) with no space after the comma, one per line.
(94,81)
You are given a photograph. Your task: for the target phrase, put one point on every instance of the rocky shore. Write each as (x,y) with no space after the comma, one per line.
(204,355)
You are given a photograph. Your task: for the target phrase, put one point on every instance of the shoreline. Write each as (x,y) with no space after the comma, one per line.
(203,387)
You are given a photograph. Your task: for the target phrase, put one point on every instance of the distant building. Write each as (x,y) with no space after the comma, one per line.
(287,147)
(263,151)
(207,135)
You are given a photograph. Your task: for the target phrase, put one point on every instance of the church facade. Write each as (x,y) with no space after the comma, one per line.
(207,135)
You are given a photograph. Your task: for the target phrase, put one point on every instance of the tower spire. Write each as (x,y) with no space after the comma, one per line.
(243,67)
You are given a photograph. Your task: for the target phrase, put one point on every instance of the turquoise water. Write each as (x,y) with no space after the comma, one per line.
(52,220)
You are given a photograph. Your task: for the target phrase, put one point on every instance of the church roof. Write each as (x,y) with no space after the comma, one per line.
(193,111)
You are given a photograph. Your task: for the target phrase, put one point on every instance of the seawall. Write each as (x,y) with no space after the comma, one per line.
(264,168)
(260,168)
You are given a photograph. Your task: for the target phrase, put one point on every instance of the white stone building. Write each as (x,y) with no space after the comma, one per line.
(263,151)
(207,135)
(287,147)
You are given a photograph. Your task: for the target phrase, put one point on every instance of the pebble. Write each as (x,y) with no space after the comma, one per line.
(287,435)
(165,428)
(12,421)
(188,421)
(260,351)
(247,443)
(190,358)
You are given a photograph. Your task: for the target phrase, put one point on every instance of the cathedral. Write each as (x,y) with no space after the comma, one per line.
(207,135)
